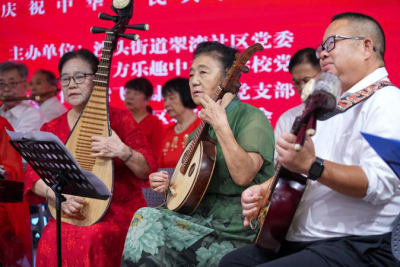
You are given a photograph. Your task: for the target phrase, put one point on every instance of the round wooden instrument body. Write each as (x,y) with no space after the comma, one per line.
(95,209)
(187,190)
(279,215)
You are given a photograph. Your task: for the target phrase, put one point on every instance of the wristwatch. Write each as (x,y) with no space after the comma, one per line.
(316,169)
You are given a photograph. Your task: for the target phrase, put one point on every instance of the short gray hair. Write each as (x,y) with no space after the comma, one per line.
(367,25)
(10,66)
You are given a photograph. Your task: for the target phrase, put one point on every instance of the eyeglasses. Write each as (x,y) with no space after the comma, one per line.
(78,78)
(10,85)
(329,43)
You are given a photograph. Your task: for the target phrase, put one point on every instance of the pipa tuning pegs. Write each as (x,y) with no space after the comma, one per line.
(105,16)
(133,37)
(98,30)
(140,27)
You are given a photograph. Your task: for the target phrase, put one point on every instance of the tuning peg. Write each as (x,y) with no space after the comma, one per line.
(133,37)
(244,69)
(114,9)
(301,137)
(140,27)
(98,30)
(105,16)
(311,126)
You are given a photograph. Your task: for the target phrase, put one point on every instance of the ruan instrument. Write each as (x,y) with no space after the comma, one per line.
(34,97)
(94,119)
(195,167)
(287,188)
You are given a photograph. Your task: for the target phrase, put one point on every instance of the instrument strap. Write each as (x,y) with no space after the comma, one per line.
(349,100)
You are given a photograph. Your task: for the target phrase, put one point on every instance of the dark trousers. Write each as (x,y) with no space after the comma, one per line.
(353,251)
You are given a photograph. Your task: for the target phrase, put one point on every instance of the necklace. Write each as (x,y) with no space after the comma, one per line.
(185,126)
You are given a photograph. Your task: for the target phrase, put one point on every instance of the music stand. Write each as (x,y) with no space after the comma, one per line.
(56,166)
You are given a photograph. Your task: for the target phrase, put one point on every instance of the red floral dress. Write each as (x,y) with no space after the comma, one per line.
(174,144)
(100,244)
(154,131)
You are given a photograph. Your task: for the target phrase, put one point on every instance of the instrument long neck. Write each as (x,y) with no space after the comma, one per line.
(295,129)
(103,71)
(201,134)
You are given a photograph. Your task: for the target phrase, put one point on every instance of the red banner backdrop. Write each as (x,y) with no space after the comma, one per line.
(38,33)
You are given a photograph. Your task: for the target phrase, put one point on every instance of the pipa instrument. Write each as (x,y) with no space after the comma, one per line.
(94,119)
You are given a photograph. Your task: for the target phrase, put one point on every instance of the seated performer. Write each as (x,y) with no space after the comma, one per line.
(20,114)
(137,98)
(179,105)
(100,244)
(160,237)
(303,66)
(15,225)
(352,198)
(44,83)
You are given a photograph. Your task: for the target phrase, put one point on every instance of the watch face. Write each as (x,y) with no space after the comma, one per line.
(120,4)
(316,170)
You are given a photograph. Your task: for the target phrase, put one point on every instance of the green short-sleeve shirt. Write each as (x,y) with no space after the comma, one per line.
(254,133)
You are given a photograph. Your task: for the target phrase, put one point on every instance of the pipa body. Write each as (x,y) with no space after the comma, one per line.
(93,121)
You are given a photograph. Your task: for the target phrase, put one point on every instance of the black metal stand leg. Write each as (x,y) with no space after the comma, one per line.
(59,200)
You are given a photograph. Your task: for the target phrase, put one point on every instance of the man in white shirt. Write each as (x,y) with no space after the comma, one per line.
(21,114)
(303,66)
(44,85)
(347,211)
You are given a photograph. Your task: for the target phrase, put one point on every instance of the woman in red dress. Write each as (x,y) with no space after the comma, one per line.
(15,225)
(100,244)
(137,98)
(179,105)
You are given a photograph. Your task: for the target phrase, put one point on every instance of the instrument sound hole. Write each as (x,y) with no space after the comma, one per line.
(191,170)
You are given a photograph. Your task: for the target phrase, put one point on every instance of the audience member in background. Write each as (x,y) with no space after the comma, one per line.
(179,105)
(44,85)
(15,228)
(13,83)
(137,98)
(303,66)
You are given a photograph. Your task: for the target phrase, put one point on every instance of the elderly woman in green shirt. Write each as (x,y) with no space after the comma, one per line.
(245,149)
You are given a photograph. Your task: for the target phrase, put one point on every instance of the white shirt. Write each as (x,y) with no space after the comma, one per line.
(23,117)
(324,213)
(52,108)
(285,123)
